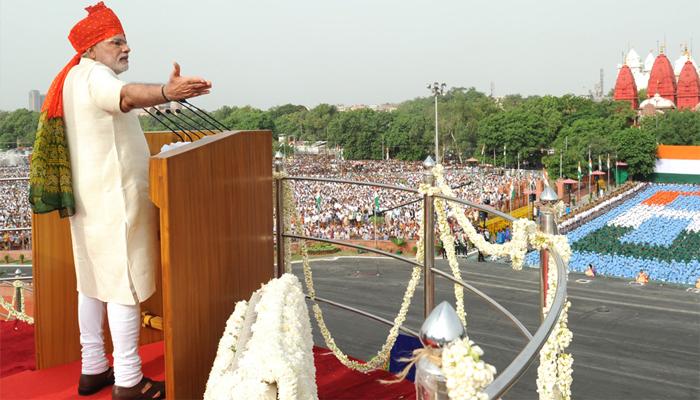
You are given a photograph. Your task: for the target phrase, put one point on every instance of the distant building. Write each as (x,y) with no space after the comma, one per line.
(386,107)
(642,70)
(304,147)
(36,100)
(669,86)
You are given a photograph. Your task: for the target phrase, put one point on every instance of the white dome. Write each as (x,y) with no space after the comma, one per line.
(658,102)
(632,59)
(649,61)
(680,62)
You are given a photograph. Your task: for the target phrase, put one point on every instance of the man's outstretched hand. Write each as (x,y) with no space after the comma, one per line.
(185,87)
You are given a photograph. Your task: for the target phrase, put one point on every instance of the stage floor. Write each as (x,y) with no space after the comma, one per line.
(334,381)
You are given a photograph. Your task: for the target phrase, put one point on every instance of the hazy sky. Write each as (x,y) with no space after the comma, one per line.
(265,53)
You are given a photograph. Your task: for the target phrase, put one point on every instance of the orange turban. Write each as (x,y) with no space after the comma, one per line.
(100,24)
(50,178)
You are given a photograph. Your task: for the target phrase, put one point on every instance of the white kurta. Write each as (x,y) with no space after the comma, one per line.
(114,227)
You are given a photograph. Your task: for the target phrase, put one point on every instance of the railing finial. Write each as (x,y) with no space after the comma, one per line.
(442,327)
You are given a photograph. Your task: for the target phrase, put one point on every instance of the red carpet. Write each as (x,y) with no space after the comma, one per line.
(16,347)
(17,354)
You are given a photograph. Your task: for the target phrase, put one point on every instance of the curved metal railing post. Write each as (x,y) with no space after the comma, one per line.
(428,240)
(279,216)
(512,373)
(548,225)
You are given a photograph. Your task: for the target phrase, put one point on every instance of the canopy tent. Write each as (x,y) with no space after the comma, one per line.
(472,160)
(569,181)
(598,173)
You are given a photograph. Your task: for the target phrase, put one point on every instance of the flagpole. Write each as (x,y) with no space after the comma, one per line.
(561,159)
(590,170)
(578,179)
(616,174)
(608,171)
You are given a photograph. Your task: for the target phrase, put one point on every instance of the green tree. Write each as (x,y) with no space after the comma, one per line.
(18,128)
(409,137)
(637,148)
(360,133)
(674,127)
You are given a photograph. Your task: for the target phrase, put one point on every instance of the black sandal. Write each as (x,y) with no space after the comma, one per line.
(147,389)
(91,384)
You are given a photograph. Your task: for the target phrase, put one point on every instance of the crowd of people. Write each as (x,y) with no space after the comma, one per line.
(343,211)
(328,210)
(14,207)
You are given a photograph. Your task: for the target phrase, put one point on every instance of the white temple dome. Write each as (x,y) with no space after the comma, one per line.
(632,59)
(649,61)
(658,102)
(680,62)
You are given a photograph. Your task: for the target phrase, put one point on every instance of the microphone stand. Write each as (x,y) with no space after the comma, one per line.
(164,124)
(186,125)
(187,103)
(158,112)
(194,122)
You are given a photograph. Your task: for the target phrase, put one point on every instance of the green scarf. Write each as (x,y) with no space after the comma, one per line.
(50,179)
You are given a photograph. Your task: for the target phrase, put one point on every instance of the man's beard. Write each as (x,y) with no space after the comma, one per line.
(121,67)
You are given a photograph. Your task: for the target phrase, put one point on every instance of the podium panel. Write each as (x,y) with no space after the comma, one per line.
(215,203)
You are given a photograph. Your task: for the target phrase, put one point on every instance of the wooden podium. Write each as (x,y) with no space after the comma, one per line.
(215,202)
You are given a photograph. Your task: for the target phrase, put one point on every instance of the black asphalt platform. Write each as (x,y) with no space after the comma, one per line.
(630,342)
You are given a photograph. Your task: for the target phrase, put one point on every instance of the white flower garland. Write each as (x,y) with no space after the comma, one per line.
(382,356)
(555,369)
(278,354)
(448,241)
(218,386)
(20,315)
(465,373)
(515,248)
(554,374)
(288,214)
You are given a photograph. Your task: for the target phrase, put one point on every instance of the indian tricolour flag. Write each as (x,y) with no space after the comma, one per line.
(579,171)
(678,164)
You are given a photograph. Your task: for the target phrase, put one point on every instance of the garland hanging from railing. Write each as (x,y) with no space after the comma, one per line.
(382,356)
(555,371)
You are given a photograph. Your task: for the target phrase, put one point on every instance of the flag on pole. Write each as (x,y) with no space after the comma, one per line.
(483,149)
(504,150)
(318,201)
(376,201)
(590,165)
(600,164)
(579,171)
(512,191)
(545,175)
(608,165)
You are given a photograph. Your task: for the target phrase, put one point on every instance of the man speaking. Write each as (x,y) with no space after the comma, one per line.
(90,162)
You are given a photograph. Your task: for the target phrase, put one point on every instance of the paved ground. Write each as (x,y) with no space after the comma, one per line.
(630,342)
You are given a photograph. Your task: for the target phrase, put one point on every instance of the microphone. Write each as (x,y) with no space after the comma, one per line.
(158,112)
(203,118)
(185,102)
(164,124)
(188,126)
(194,121)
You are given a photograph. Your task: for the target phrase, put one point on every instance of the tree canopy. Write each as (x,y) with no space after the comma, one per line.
(537,130)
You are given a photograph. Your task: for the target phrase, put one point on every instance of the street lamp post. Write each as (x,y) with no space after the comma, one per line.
(437,89)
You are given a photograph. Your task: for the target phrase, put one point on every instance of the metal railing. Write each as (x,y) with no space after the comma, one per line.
(522,361)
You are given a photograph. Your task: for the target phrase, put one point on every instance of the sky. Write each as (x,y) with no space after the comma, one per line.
(265,53)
